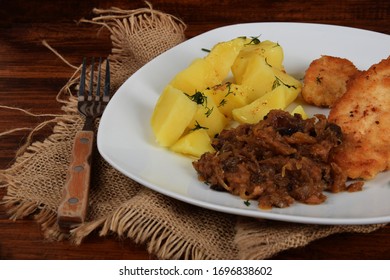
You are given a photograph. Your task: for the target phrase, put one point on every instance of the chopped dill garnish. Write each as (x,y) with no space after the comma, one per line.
(279,82)
(209,111)
(229,86)
(267,62)
(205,50)
(198,126)
(200,99)
(224,101)
(254,41)
(247,203)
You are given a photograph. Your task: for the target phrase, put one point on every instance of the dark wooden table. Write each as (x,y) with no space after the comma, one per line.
(31,76)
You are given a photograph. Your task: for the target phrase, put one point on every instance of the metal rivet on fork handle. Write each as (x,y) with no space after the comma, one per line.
(84,140)
(73,200)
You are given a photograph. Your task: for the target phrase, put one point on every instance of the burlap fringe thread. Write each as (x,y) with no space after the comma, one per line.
(125,220)
(19,208)
(128,56)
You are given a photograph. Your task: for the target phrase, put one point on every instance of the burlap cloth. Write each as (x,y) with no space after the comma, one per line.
(170,229)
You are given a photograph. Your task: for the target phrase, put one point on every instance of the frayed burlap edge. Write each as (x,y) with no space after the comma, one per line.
(127,57)
(279,236)
(19,208)
(130,223)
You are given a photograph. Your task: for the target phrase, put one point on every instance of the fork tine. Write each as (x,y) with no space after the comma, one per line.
(106,96)
(98,80)
(91,79)
(82,81)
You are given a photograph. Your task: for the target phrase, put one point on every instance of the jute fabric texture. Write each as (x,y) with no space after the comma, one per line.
(169,228)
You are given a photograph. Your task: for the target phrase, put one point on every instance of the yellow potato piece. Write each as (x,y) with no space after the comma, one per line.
(272,53)
(223,54)
(171,116)
(299,110)
(228,96)
(261,78)
(286,80)
(256,67)
(199,75)
(279,98)
(208,116)
(195,143)
(255,74)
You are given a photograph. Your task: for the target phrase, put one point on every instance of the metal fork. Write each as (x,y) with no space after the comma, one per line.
(91,104)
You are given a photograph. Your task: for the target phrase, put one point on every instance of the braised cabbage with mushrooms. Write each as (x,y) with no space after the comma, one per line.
(277,161)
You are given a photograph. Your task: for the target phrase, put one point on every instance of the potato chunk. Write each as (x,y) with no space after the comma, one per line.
(223,54)
(272,52)
(257,67)
(299,110)
(269,51)
(199,75)
(195,143)
(228,96)
(207,115)
(256,74)
(171,116)
(286,80)
(279,98)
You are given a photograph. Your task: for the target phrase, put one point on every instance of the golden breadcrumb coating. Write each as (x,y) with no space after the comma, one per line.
(363,113)
(326,79)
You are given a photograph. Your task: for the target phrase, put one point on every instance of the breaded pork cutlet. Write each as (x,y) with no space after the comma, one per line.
(363,113)
(326,80)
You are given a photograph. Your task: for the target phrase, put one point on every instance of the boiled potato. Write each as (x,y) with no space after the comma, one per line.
(278,98)
(261,78)
(271,52)
(199,75)
(256,67)
(195,143)
(299,110)
(171,116)
(284,79)
(207,115)
(223,54)
(228,96)
(255,74)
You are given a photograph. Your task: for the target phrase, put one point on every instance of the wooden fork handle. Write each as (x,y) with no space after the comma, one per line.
(73,207)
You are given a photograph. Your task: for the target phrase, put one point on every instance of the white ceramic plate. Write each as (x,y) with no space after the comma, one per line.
(126,141)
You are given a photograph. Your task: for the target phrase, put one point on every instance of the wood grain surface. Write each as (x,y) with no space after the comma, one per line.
(31,76)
